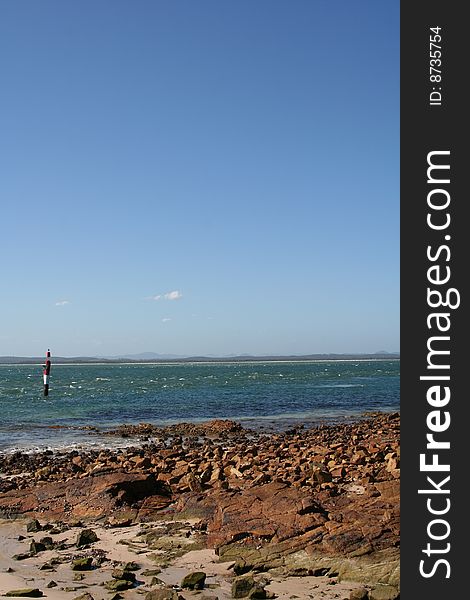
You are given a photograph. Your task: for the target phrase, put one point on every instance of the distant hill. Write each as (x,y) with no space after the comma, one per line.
(159,358)
(15,360)
(146,356)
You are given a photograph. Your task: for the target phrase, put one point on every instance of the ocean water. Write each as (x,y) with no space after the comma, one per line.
(257,394)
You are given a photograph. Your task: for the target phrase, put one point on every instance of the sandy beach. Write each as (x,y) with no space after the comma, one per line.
(219,576)
(307,513)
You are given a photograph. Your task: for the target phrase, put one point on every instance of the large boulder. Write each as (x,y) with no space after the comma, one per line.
(194,580)
(117,493)
(85,537)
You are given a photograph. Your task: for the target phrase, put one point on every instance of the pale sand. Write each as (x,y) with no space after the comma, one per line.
(325,588)
(218,582)
(27,574)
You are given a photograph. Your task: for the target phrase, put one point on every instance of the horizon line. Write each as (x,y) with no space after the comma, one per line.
(141,357)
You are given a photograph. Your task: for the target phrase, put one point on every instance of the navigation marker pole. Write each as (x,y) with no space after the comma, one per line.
(46,371)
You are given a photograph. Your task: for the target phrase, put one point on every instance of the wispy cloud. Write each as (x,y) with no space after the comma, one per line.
(166,319)
(62,302)
(174,295)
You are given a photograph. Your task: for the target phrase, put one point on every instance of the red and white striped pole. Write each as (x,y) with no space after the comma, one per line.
(46,371)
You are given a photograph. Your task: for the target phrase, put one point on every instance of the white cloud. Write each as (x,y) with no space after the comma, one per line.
(166,319)
(62,303)
(175,295)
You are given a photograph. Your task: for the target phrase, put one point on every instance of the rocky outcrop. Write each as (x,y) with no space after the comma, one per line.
(319,500)
(90,497)
(363,452)
(277,526)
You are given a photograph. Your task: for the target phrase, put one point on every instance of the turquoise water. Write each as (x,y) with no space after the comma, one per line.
(268,394)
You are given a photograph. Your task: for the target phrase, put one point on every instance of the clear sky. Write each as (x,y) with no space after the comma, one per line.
(208,177)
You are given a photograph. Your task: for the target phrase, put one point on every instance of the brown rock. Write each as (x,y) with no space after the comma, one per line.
(384,592)
(142,462)
(194,580)
(123,574)
(358,594)
(321,474)
(90,496)
(165,594)
(331,491)
(85,537)
(25,593)
(338,471)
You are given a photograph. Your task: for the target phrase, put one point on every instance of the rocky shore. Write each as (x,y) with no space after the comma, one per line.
(246,510)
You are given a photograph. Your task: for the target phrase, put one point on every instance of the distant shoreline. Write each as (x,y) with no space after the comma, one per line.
(60,360)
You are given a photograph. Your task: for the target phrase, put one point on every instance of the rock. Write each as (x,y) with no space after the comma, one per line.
(43,473)
(320,474)
(85,537)
(7,486)
(75,523)
(36,547)
(85,596)
(82,564)
(384,592)
(99,559)
(194,580)
(119,522)
(358,594)
(262,478)
(131,566)
(142,463)
(320,499)
(151,572)
(22,555)
(165,594)
(241,567)
(123,574)
(25,593)
(118,585)
(51,584)
(33,526)
(273,511)
(258,592)
(56,530)
(92,496)
(193,482)
(242,586)
(338,471)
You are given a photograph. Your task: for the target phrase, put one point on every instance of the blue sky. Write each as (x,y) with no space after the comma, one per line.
(199,177)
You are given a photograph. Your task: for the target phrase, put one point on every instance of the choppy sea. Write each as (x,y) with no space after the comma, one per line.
(269,395)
